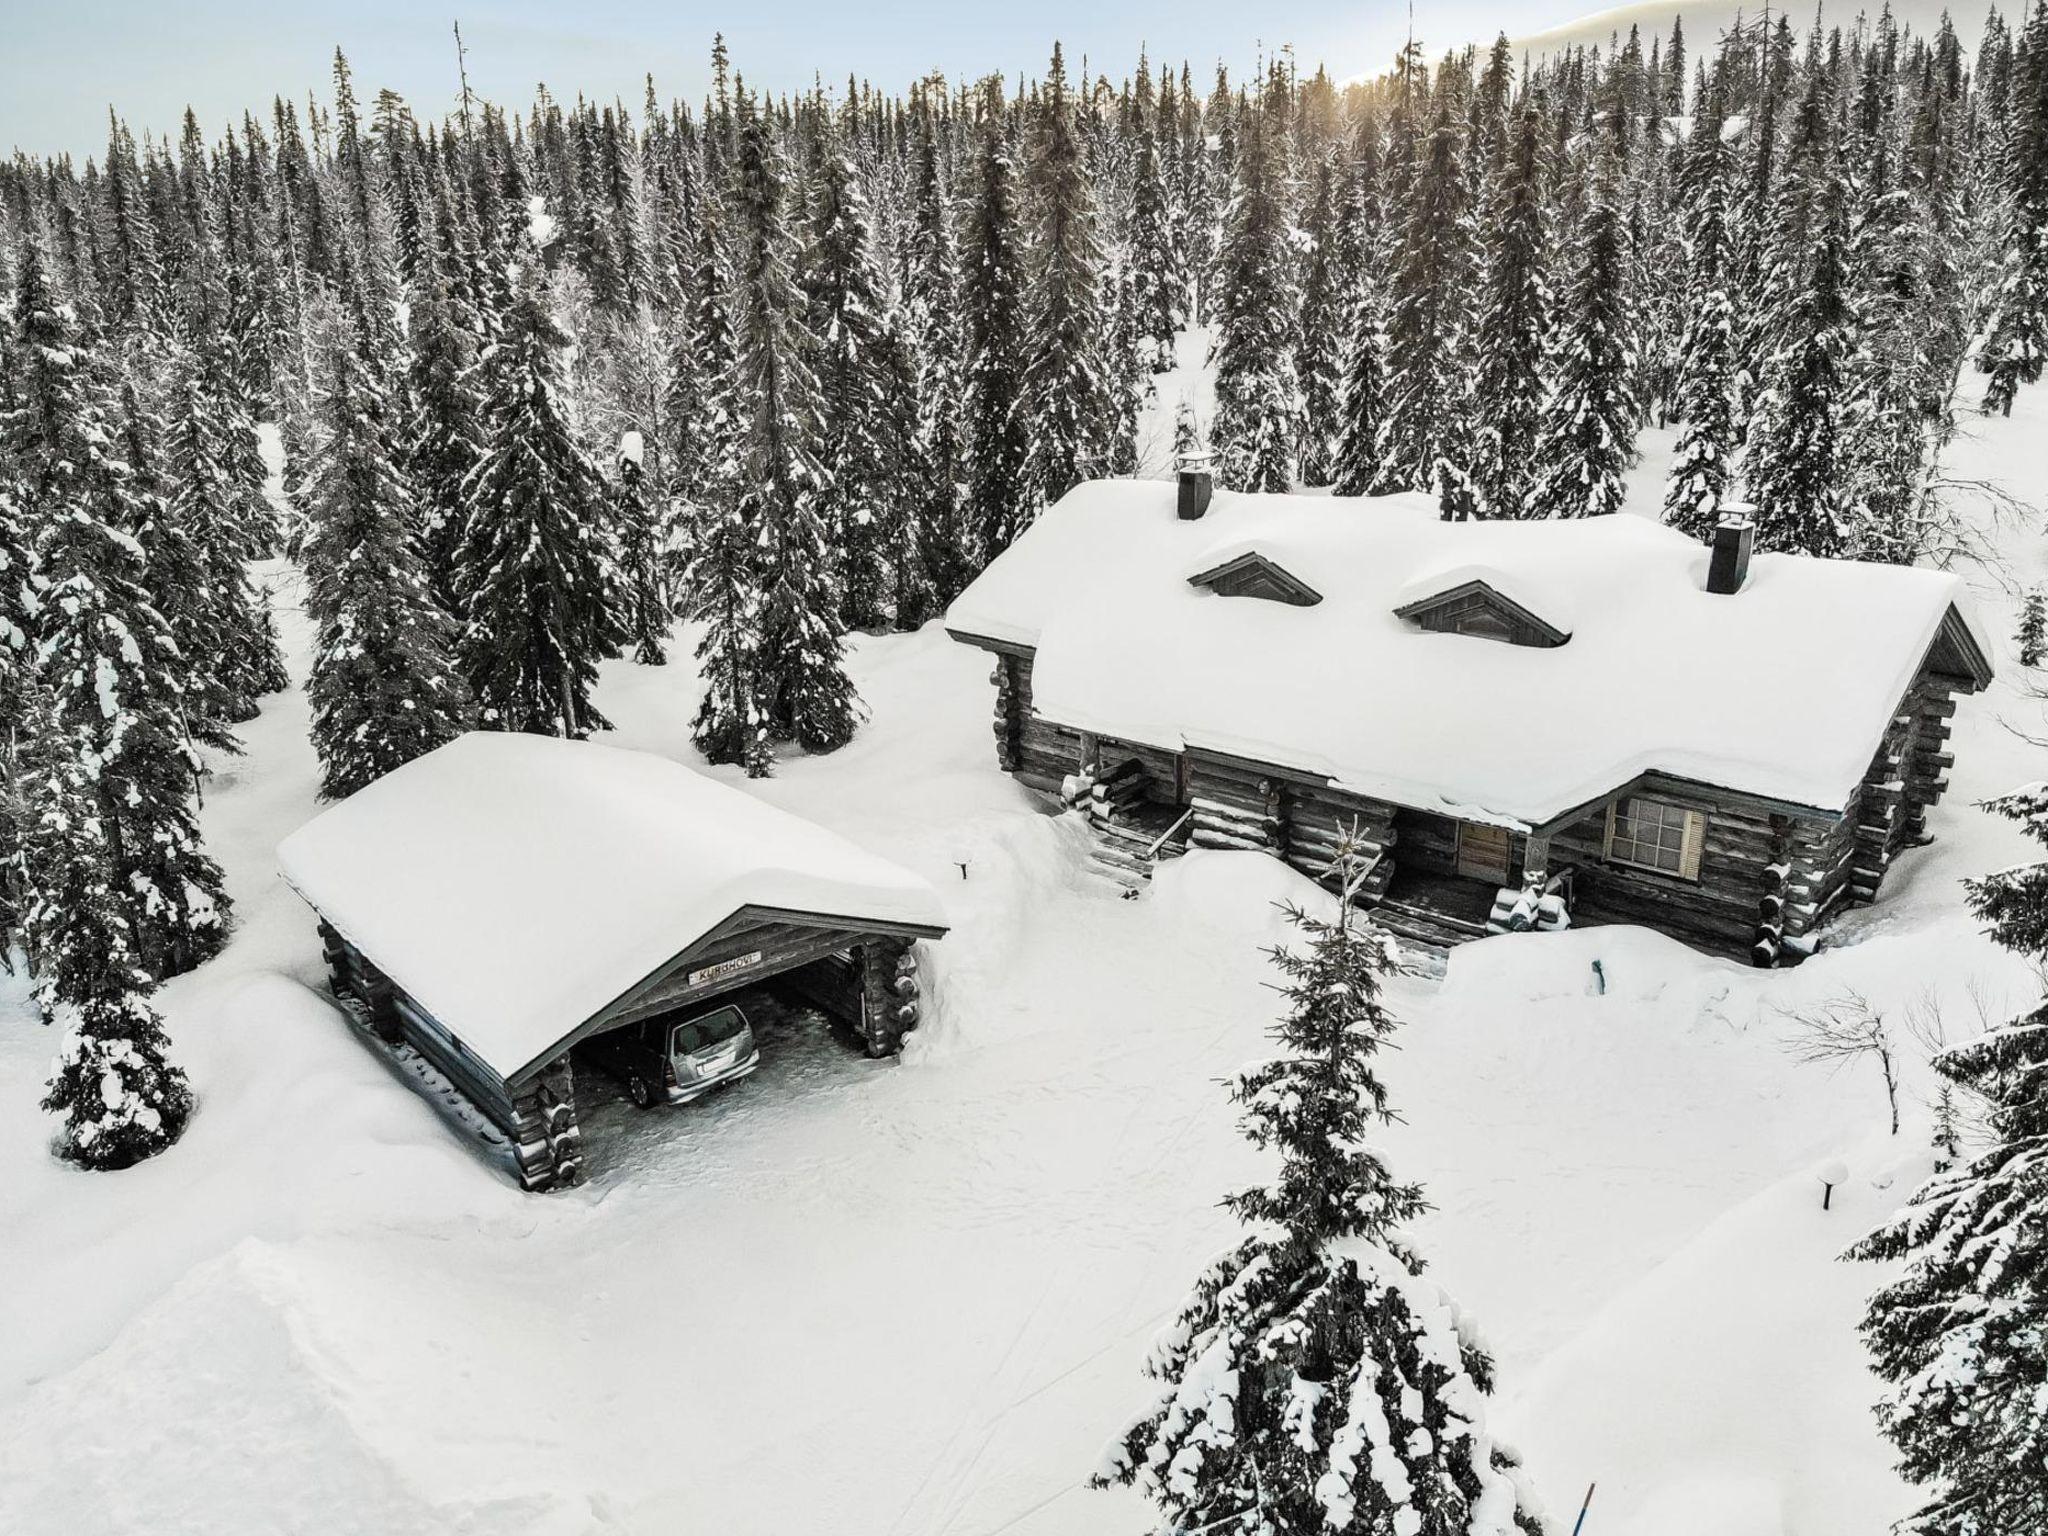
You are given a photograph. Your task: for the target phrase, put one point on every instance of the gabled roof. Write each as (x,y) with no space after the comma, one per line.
(1781,691)
(1251,574)
(517,885)
(1482,591)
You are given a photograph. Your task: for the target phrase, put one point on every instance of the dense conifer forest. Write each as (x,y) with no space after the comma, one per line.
(522,388)
(548,378)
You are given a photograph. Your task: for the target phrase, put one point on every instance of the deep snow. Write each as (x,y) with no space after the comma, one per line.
(455,871)
(911,1298)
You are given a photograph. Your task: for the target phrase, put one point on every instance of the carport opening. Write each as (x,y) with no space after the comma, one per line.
(779,1010)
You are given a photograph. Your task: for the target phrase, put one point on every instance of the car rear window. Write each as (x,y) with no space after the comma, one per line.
(712,1029)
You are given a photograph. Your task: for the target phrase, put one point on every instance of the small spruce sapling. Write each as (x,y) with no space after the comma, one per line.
(2033,630)
(1315,1380)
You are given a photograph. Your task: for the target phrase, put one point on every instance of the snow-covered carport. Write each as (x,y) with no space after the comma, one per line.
(501,899)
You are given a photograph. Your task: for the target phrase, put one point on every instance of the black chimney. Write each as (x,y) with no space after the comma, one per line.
(1197,485)
(1734,538)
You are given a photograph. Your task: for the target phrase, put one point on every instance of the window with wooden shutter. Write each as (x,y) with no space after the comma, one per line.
(1656,835)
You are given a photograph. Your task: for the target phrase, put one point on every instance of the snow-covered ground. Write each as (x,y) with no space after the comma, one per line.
(910,1298)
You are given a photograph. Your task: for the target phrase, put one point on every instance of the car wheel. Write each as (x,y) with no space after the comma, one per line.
(639,1092)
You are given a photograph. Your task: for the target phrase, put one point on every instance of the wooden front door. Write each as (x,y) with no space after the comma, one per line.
(1483,852)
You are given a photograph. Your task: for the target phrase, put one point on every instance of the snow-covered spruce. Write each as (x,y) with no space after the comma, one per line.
(384,687)
(1587,439)
(533,571)
(2016,349)
(860,443)
(1425,441)
(120,1097)
(1329,287)
(1258,407)
(1704,388)
(931,326)
(1065,383)
(1315,1380)
(995,424)
(641,542)
(799,665)
(1513,324)
(105,653)
(1959,1336)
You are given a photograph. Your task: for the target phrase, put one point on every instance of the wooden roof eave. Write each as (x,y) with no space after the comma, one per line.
(989,643)
(739,920)
(1954,652)
(1651,778)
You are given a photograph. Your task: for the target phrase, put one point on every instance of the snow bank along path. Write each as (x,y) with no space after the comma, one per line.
(911,1298)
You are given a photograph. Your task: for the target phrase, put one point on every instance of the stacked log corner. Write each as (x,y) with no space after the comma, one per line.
(547,1144)
(351,975)
(889,994)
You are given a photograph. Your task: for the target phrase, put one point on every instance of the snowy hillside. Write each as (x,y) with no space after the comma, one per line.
(1705,20)
(911,1298)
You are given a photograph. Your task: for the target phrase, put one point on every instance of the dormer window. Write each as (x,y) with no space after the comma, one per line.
(1253,575)
(1478,608)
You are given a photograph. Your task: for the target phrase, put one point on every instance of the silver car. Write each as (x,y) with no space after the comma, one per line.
(667,1060)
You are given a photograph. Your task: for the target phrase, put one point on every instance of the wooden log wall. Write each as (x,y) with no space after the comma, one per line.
(1317,816)
(1721,912)
(540,1120)
(1159,766)
(1039,752)
(1236,805)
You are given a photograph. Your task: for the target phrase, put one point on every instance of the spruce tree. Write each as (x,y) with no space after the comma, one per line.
(232,639)
(800,668)
(384,687)
(1130,380)
(1066,394)
(992,278)
(1257,418)
(1328,292)
(1702,463)
(105,652)
(1958,1334)
(931,319)
(1360,463)
(533,569)
(1315,1380)
(1793,465)
(1429,322)
(1586,441)
(2032,638)
(2016,350)
(440,436)
(859,460)
(177,578)
(1155,255)
(641,571)
(1513,323)
(121,1098)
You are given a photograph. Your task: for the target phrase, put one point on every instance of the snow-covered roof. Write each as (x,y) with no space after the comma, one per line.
(1782,690)
(515,885)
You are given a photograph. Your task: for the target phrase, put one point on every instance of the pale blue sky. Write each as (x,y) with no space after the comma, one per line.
(61,64)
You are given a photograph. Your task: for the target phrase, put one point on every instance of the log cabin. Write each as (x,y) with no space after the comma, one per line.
(498,902)
(1519,724)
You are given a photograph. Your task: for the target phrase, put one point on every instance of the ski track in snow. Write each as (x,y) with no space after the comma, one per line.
(913,1298)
